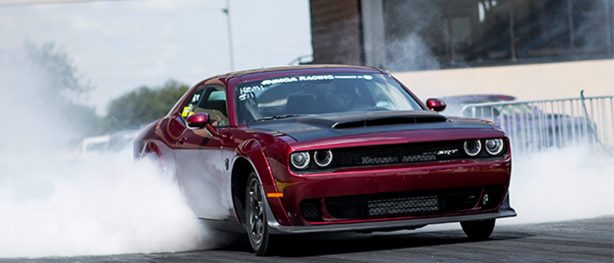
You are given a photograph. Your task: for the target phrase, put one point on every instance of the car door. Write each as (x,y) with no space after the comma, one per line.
(198,158)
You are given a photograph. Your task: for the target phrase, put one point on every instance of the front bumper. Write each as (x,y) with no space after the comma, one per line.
(440,176)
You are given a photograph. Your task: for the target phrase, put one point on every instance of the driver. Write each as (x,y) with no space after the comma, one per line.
(344,96)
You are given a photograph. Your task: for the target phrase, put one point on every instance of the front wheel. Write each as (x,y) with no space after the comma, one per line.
(478,230)
(255,217)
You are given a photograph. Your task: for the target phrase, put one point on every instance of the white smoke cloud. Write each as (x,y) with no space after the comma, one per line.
(54,205)
(412,53)
(54,202)
(562,184)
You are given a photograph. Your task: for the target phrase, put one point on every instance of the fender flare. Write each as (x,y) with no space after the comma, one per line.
(252,152)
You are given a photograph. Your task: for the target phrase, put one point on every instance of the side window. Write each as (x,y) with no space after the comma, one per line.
(213,102)
(188,107)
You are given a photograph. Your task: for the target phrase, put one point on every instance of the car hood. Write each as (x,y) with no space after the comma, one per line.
(315,127)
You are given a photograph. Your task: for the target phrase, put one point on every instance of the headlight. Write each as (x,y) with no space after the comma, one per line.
(300,160)
(494,146)
(472,148)
(323,158)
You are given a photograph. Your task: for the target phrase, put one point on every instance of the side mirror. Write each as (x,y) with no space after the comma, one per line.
(435,105)
(198,120)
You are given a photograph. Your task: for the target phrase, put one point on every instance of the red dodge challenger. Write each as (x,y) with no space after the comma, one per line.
(328,148)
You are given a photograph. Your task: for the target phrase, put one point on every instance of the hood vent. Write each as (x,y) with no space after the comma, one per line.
(397,120)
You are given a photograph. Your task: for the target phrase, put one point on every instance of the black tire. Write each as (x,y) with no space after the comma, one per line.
(478,230)
(255,217)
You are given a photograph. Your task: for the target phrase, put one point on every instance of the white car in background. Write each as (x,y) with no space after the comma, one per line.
(113,142)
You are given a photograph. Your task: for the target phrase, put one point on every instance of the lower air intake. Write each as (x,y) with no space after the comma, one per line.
(412,203)
(404,205)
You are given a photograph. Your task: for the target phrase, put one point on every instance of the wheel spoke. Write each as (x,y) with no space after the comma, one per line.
(259,227)
(251,195)
(255,228)
(259,212)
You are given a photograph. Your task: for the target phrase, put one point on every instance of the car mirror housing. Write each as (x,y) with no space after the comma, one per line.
(435,105)
(198,120)
(202,120)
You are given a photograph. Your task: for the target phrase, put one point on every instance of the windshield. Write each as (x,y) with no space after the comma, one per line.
(320,94)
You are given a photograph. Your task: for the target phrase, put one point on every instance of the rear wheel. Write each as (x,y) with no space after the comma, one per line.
(478,230)
(255,217)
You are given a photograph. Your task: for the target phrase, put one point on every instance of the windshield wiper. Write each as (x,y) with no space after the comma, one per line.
(277,117)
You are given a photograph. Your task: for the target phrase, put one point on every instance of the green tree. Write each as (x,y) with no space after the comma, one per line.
(64,89)
(143,105)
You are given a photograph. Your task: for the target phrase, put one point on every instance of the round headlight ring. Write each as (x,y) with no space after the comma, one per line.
(300,160)
(323,158)
(472,152)
(494,146)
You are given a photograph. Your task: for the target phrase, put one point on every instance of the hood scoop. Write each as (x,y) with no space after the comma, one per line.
(393,120)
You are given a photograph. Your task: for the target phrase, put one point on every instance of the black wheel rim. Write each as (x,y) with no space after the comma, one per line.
(255,213)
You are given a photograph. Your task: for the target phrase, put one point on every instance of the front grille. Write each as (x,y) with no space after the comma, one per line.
(409,204)
(396,154)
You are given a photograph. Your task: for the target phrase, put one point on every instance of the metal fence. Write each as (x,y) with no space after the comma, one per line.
(540,124)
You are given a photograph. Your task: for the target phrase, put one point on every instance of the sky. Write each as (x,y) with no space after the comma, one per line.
(118,46)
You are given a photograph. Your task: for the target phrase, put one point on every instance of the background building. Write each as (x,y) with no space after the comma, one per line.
(527,48)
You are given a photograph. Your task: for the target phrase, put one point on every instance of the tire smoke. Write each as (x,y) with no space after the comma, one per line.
(64,205)
(56,202)
(562,184)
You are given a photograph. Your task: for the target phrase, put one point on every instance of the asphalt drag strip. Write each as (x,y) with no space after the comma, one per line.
(587,240)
